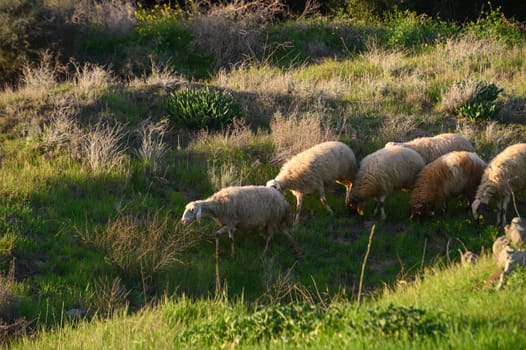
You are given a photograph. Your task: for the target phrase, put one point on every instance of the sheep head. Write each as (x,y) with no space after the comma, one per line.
(274,184)
(192,212)
(421,210)
(356,205)
(479,209)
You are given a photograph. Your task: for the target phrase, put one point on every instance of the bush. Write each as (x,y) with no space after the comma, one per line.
(481,103)
(409,30)
(202,108)
(399,322)
(18,26)
(494,24)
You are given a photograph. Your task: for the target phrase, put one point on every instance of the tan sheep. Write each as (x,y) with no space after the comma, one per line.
(382,172)
(243,207)
(506,173)
(452,174)
(430,148)
(313,169)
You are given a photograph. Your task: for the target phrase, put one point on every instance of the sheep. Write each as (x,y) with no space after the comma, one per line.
(430,148)
(243,207)
(455,173)
(504,175)
(381,173)
(507,258)
(315,168)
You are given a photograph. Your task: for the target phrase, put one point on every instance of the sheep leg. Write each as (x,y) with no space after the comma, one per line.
(380,205)
(230,231)
(293,242)
(299,204)
(348,187)
(323,199)
(270,234)
(218,279)
(502,210)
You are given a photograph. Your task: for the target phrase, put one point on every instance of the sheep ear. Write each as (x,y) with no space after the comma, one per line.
(199,214)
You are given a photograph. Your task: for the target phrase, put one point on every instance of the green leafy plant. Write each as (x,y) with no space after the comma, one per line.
(409,30)
(398,321)
(202,108)
(494,24)
(480,104)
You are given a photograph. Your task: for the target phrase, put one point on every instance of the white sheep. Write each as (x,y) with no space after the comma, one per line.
(452,174)
(243,207)
(315,168)
(507,258)
(382,172)
(430,148)
(505,174)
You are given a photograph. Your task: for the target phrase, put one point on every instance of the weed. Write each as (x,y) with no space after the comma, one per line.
(152,149)
(143,246)
(400,321)
(108,296)
(202,108)
(472,99)
(296,133)
(103,149)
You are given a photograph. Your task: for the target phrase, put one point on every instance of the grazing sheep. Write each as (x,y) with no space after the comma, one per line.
(243,207)
(430,148)
(315,168)
(507,258)
(506,173)
(383,172)
(452,174)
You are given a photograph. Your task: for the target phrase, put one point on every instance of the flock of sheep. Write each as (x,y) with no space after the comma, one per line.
(433,168)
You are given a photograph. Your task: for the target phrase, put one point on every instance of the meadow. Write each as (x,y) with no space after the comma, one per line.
(103,142)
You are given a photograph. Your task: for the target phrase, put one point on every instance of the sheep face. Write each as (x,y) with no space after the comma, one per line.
(419,211)
(355,205)
(478,209)
(274,184)
(192,212)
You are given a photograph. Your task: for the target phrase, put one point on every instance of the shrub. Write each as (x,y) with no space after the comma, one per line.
(152,149)
(399,322)
(409,30)
(202,108)
(103,148)
(479,101)
(494,24)
(18,26)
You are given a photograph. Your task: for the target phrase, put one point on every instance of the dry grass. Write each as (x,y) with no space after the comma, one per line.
(42,77)
(399,129)
(103,147)
(232,32)
(236,135)
(152,149)
(61,134)
(112,17)
(141,246)
(297,133)
(90,79)
(10,327)
(109,297)
(489,138)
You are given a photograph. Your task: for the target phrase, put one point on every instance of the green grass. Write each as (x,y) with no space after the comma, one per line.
(58,214)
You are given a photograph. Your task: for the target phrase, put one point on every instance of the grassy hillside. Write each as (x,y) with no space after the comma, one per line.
(99,156)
